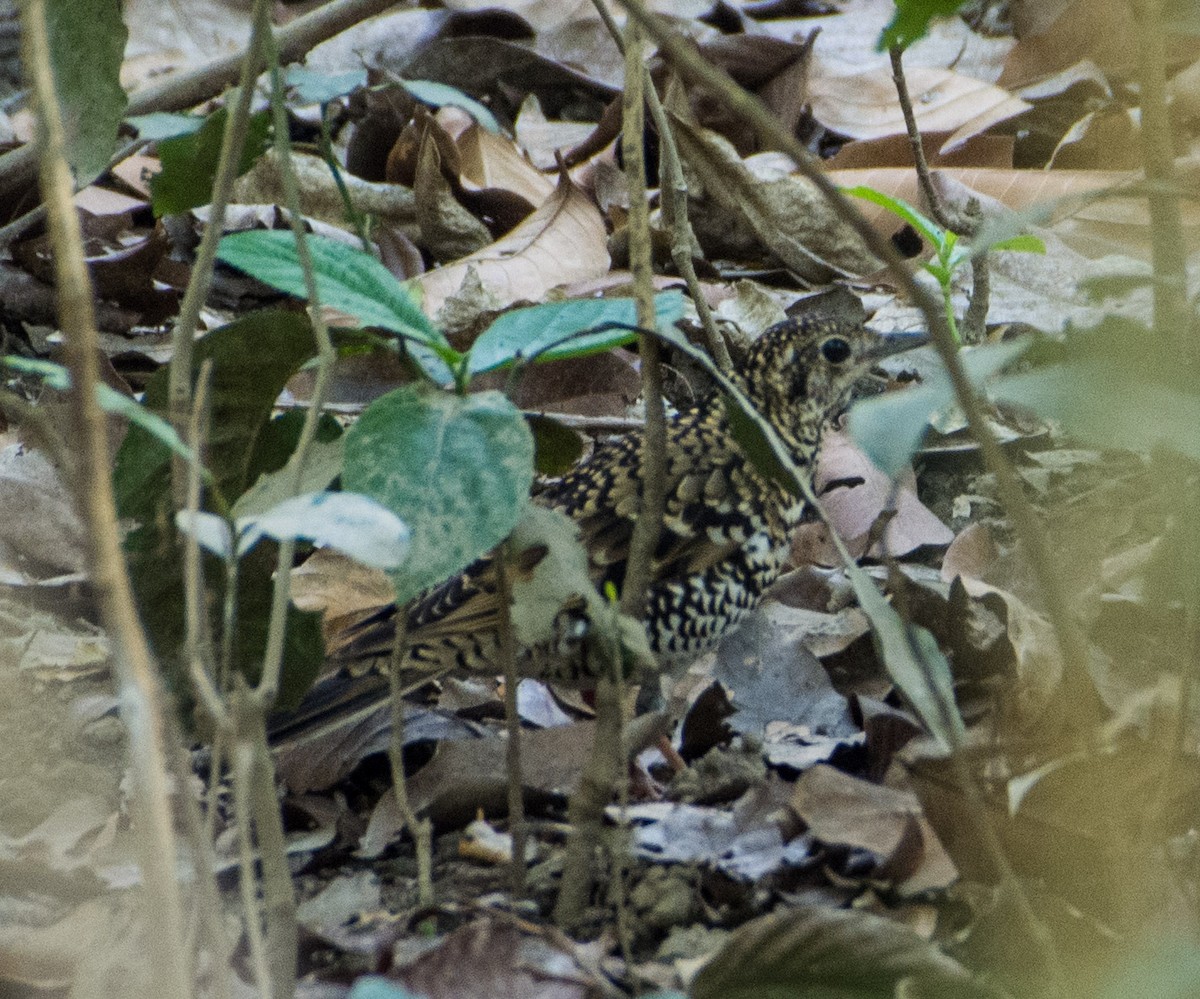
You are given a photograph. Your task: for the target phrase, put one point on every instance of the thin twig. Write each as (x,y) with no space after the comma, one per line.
(243,780)
(508,659)
(142,702)
(1158,158)
(421,829)
(652,471)
(673,188)
(966,223)
(237,119)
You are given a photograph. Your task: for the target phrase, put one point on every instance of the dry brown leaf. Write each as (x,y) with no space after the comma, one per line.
(865,106)
(1035,645)
(840,809)
(448,230)
(854,510)
(492,957)
(1053,36)
(562,241)
(487,160)
(542,139)
(993,151)
(969,554)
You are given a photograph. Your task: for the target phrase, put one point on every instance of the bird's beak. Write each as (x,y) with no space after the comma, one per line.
(893,343)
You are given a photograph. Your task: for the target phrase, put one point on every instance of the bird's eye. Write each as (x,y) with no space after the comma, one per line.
(835,350)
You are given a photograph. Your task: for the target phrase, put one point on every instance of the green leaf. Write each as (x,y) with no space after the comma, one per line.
(556,447)
(911,21)
(913,661)
(933,233)
(1163,968)
(558,330)
(353,524)
(165,125)
(890,427)
(111,401)
(87,43)
(374,987)
(324,464)
(313,87)
(456,469)
(1141,414)
(252,360)
(442,94)
(1024,243)
(189,162)
(348,280)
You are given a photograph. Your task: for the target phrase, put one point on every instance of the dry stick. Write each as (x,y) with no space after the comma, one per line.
(142,707)
(1028,529)
(508,658)
(278,891)
(1172,320)
(975,321)
(673,189)
(243,779)
(200,828)
(421,829)
(595,790)
(1167,248)
(179,385)
(188,89)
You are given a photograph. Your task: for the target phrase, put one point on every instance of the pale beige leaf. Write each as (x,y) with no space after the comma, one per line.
(564,240)
(487,160)
(865,106)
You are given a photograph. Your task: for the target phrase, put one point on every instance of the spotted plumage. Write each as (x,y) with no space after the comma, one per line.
(724,540)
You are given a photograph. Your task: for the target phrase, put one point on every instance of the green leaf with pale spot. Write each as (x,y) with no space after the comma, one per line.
(456,469)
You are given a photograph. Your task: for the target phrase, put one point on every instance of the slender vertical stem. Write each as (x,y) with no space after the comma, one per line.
(140,692)
(179,390)
(1158,158)
(508,659)
(654,449)
(420,829)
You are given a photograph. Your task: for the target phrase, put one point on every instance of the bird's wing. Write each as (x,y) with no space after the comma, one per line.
(710,508)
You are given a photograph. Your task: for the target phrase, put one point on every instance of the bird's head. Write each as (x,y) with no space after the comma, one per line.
(800,373)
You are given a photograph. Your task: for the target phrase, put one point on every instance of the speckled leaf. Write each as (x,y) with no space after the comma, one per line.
(456,469)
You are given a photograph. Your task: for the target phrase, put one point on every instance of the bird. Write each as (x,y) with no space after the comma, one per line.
(725,534)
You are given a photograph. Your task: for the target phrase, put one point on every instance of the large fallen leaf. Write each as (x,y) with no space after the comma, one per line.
(853,510)
(843,810)
(492,161)
(832,954)
(564,240)
(865,106)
